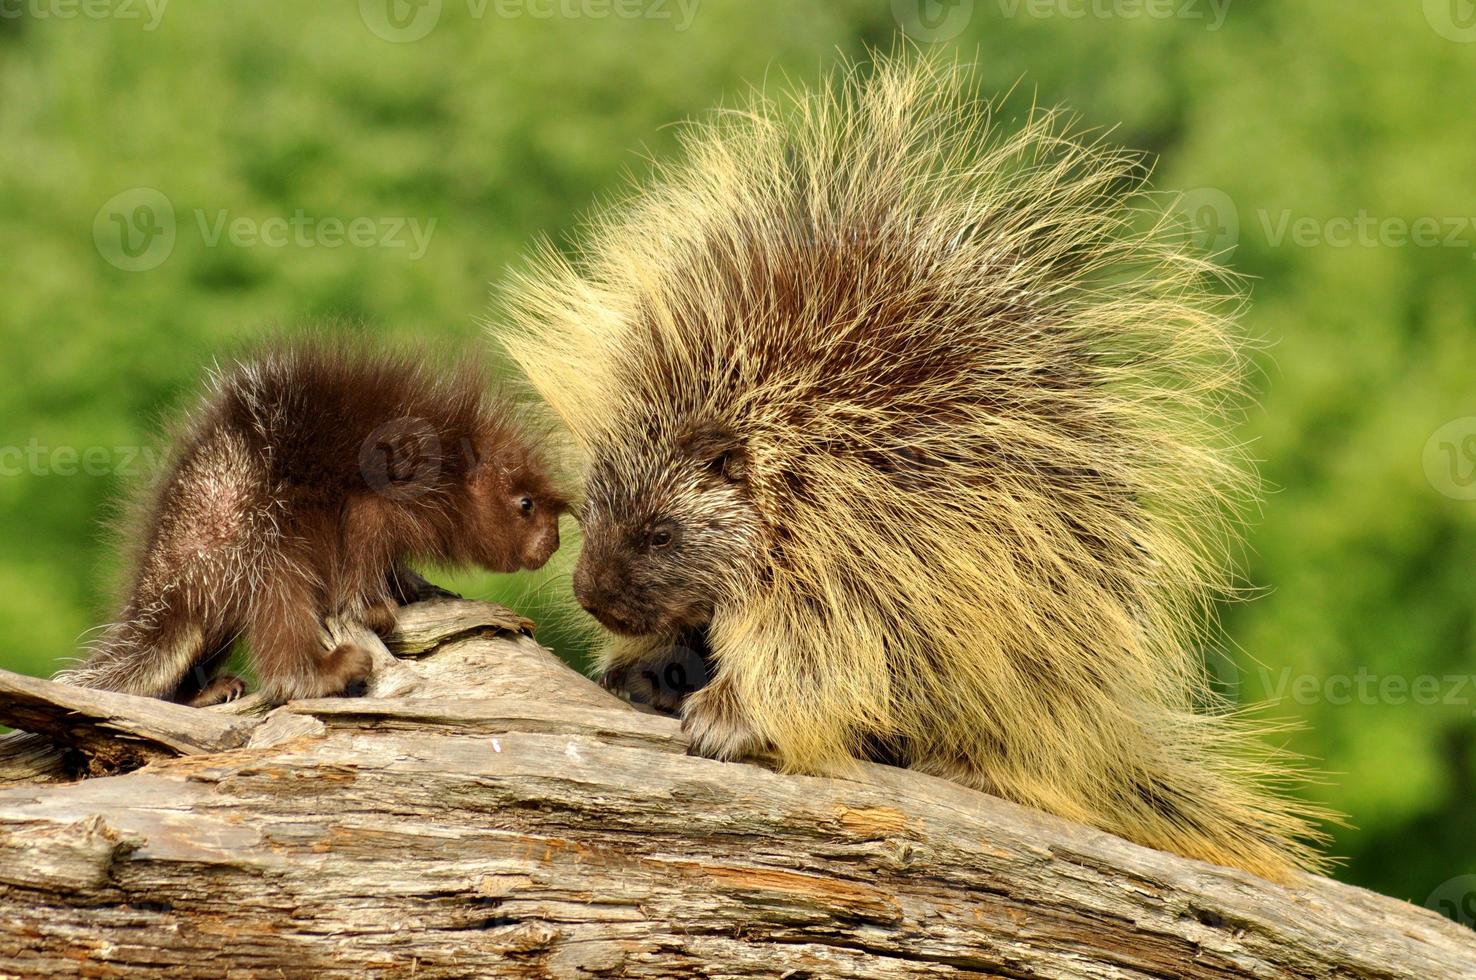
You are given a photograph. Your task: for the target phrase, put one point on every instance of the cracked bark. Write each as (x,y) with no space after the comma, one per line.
(486,811)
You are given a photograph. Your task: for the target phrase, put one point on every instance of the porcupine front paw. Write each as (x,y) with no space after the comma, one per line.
(717,727)
(662,678)
(638,685)
(407,586)
(612,679)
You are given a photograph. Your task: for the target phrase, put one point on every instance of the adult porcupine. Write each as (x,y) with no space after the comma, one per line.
(917,429)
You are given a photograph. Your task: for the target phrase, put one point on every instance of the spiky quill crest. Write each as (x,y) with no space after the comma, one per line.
(984,389)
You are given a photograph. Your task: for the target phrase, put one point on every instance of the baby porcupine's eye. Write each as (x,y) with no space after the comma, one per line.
(659,539)
(526,505)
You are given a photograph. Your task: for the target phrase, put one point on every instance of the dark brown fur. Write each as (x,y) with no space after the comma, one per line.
(297,491)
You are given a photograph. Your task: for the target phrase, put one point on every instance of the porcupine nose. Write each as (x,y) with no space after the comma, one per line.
(598,589)
(585,592)
(543,547)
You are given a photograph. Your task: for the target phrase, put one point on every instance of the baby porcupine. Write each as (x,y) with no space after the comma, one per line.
(915,429)
(296,491)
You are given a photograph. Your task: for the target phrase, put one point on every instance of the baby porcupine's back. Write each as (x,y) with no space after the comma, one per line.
(983,387)
(319,410)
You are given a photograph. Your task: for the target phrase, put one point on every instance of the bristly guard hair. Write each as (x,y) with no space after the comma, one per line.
(983,387)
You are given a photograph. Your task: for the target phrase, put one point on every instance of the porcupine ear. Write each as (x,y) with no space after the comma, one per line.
(720,452)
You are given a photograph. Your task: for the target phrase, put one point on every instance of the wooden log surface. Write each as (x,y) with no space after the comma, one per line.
(119,730)
(486,811)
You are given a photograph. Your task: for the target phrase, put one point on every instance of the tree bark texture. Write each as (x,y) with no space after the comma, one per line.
(485,811)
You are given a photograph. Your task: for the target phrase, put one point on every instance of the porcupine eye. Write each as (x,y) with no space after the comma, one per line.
(659,539)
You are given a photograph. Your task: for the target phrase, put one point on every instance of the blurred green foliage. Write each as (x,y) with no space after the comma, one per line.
(506,120)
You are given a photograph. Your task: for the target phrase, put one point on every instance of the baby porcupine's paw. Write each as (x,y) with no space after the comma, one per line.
(717,727)
(220,690)
(381,617)
(661,678)
(644,688)
(347,665)
(430,590)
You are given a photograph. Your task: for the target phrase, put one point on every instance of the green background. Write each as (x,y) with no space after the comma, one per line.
(506,120)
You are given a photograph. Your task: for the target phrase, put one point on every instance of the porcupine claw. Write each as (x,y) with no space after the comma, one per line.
(716,726)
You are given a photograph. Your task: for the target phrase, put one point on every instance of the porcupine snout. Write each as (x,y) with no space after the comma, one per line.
(596,589)
(603,589)
(543,542)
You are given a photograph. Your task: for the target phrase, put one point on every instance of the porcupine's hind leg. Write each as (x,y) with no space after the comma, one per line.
(202,534)
(220,689)
(289,644)
(201,690)
(148,653)
(169,625)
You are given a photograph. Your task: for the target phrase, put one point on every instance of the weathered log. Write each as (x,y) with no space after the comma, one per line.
(494,813)
(120,731)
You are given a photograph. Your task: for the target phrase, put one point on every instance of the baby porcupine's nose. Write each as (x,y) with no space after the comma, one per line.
(542,545)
